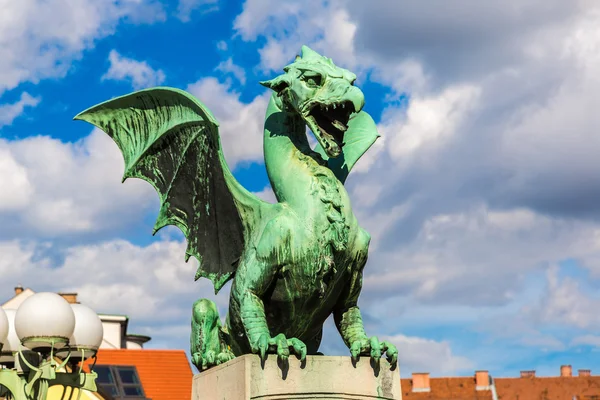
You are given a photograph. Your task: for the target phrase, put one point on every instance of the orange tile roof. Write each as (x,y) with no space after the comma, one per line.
(445,389)
(549,388)
(529,388)
(164,374)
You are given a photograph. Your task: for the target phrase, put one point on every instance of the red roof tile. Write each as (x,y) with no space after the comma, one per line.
(164,374)
(446,389)
(549,388)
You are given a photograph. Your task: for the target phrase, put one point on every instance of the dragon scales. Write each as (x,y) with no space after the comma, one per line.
(293,263)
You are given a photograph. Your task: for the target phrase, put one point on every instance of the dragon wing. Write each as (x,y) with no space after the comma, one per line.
(360,136)
(171,140)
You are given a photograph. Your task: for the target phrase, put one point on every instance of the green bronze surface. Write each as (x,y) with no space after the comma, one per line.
(293,263)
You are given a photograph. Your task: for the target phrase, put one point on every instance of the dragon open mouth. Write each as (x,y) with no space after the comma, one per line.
(329,122)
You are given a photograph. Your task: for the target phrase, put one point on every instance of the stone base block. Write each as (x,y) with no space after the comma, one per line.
(319,377)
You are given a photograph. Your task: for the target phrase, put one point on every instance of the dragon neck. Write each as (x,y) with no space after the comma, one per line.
(295,170)
(288,156)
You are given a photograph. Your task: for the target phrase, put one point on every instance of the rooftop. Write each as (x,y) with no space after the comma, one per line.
(549,388)
(480,386)
(462,388)
(164,374)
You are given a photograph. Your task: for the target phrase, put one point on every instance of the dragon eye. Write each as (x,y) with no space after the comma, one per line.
(313,80)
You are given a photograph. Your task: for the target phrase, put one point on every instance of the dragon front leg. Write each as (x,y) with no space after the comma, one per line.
(350,325)
(254,276)
(259,336)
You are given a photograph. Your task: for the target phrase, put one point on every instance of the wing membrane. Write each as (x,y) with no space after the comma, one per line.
(171,140)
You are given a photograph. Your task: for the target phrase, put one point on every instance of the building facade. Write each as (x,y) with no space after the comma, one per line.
(126,370)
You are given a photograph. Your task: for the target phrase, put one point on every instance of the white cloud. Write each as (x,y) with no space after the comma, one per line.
(275,54)
(17,189)
(590,340)
(186,8)
(9,112)
(377,222)
(228,67)
(61,188)
(552,145)
(540,315)
(425,355)
(222,45)
(452,254)
(338,37)
(407,75)
(241,124)
(429,121)
(256,13)
(267,195)
(564,303)
(326,26)
(146,283)
(39,39)
(138,73)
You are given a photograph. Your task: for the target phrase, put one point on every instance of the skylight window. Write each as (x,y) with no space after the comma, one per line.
(121,382)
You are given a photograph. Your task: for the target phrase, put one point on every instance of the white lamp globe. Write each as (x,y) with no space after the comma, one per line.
(11,345)
(8,356)
(45,320)
(3,327)
(87,335)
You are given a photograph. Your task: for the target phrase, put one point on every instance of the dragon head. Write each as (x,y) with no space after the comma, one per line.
(322,93)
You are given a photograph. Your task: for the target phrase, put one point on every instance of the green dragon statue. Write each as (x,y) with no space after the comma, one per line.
(293,263)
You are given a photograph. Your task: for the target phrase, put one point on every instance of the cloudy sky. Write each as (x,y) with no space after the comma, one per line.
(482,196)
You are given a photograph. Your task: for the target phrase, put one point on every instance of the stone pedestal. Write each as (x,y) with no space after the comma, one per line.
(320,377)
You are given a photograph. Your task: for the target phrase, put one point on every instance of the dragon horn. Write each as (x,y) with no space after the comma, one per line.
(308,53)
(277,84)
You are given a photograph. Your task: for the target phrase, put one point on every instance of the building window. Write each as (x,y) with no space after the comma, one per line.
(121,382)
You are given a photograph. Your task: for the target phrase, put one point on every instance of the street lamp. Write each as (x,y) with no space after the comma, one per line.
(43,329)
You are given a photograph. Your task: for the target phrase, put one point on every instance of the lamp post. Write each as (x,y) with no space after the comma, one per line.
(44,329)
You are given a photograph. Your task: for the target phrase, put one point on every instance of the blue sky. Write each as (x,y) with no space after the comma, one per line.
(482,197)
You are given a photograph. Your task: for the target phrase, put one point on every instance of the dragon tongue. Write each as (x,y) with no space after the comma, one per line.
(339,125)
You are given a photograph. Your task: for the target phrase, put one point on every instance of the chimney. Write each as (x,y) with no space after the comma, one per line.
(585,372)
(71,298)
(18,289)
(420,382)
(528,374)
(482,380)
(566,371)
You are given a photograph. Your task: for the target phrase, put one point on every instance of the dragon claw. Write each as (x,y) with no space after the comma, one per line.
(392,355)
(197,359)
(355,350)
(298,346)
(375,349)
(210,359)
(280,341)
(279,345)
(263,346)
(224,357)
